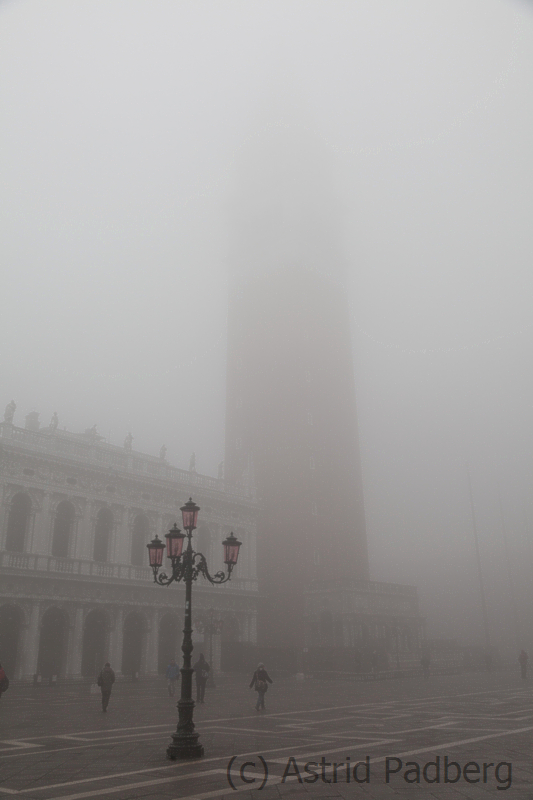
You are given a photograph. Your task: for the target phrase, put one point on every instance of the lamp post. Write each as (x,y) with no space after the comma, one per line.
(186,566)
(211,625)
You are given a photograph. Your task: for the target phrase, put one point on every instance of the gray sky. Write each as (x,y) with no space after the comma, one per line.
(122,125)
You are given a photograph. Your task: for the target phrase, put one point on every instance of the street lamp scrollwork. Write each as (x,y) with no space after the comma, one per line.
(190,563)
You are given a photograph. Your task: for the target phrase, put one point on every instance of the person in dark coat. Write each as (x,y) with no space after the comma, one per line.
(201,673)
(522,660)
(260,683)
(105,681)
(3,680)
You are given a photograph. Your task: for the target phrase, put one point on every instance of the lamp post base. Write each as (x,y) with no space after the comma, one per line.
(185,746)
(185,742)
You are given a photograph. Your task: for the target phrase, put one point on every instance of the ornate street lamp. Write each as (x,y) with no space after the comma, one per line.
(187,565)
(210,625)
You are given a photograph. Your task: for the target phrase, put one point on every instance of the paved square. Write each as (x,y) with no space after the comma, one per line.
(461,736)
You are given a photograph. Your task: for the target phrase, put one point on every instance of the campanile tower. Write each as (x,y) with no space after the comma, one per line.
(291,412)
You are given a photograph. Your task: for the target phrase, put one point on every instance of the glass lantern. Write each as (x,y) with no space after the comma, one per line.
(189,513)
(231,547)
(155,552)
(175,539)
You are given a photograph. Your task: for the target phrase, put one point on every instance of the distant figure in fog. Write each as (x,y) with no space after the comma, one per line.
(425,662)
(488,660)
(173,672)
(54,422)
(260,683)
(201,673)
(163,453)
(4,681)
(522,660)
(105,681)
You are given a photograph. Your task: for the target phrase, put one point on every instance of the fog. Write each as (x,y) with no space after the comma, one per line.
(127,128)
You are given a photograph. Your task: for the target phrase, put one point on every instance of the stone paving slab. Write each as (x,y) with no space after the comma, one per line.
(56,744)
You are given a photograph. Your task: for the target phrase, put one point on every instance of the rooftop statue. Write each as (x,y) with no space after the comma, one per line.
(93,434)
(54,422)
(10,411)
(163,453)
(192,463)
(128,441)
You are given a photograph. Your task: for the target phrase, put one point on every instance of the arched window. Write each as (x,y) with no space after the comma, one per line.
(102,534)
(18,521)
(139,540)
(63,525)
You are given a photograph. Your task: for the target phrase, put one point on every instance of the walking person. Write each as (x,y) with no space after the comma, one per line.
(4,681)
(522,660)
(173,672)
(260,683)
(105,681)
(201,673)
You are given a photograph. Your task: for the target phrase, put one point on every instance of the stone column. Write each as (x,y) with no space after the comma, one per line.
(116,633)
(151,644)
(30,645)
(75,645)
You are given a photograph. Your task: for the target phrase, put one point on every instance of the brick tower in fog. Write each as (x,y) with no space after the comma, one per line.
(291,413)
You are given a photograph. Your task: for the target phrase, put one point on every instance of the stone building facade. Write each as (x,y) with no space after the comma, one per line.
(76,590)
(350,621)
